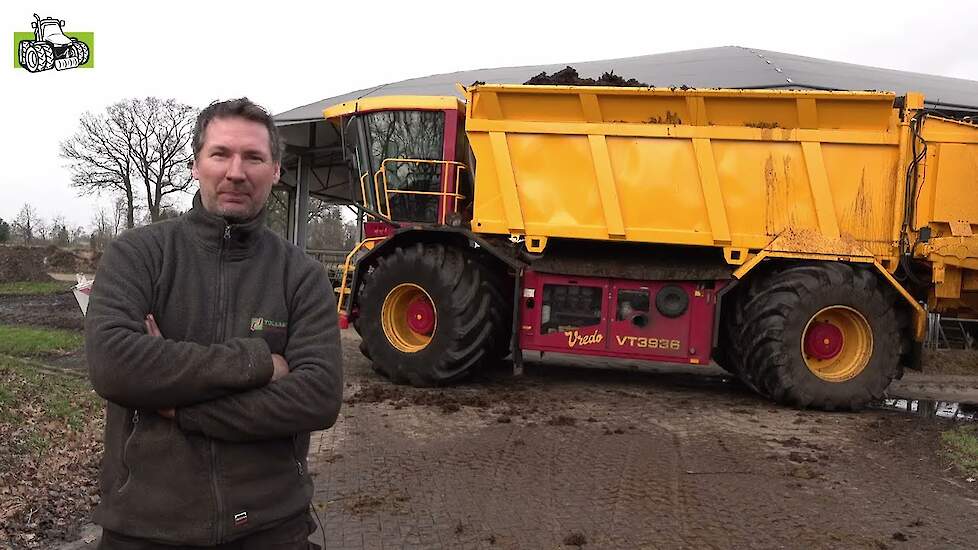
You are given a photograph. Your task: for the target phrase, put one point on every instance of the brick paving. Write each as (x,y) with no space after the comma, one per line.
(622,460)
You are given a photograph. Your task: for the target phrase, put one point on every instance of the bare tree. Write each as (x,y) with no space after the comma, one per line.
(277,212)
(135,143)
(327,228)
(27,223)
(105,227)
(59,234)
(41,231)
(100,156)
(161,149)
(119,212)
(78,234)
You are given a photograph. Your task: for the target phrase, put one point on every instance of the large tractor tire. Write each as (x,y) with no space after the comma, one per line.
(22,49)
(824,335)
(363,344)
(42,55)
(499,284)
(428,315)
(724,355)
(80,50)
(721,356)
(31,61)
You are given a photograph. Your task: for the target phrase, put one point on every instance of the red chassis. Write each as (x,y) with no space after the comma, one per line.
(668,321)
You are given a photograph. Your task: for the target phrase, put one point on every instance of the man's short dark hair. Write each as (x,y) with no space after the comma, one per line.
(243,108)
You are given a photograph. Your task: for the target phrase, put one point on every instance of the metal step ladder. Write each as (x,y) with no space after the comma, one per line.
(949,332)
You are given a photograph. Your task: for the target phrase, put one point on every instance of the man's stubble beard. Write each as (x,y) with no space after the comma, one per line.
(234,218)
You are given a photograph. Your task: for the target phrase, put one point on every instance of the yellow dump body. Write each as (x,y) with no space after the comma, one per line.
(783,172)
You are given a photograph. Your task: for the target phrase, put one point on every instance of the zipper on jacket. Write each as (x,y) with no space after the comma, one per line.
(125,446)
(295,453)
(218,534)
(222,294)
(222,312)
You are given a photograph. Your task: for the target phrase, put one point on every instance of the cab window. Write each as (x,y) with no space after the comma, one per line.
(417,135)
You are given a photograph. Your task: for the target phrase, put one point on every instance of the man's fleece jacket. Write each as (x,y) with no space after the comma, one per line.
(225,298)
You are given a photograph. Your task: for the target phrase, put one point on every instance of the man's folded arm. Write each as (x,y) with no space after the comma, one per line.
(305,400)
(133,369)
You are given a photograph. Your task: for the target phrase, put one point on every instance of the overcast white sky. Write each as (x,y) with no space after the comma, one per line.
(284,54)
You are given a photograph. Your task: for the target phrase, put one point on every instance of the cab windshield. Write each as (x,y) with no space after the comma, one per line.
(415,135)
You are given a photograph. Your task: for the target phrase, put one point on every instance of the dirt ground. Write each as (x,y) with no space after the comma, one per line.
(52,310)
(618,459)
(657,457)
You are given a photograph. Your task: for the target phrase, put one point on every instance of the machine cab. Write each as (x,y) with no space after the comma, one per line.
(404,153)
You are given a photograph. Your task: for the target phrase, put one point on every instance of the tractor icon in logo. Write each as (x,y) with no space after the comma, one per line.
(51,48)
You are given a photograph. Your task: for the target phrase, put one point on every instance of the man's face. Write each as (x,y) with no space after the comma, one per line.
(235,168)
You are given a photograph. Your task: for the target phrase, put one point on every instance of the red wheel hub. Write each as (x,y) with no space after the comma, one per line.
(823,341)
(421,315)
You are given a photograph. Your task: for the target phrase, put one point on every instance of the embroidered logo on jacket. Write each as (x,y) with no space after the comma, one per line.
(241,519)
(259,324)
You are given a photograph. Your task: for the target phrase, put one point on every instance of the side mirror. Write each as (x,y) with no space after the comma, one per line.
(62,22)
(33,24)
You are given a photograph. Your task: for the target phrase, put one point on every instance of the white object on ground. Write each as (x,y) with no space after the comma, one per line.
(82,290)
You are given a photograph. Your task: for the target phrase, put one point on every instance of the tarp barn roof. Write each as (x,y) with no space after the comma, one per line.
(723,67)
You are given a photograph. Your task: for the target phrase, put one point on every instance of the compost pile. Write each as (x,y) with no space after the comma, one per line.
(23,263)
(568,77)
(61,260)
(33,263)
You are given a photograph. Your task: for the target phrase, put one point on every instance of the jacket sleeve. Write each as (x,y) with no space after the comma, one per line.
(136,370)
(305,400)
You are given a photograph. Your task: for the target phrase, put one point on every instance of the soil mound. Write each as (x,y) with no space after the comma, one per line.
(22,263)
(33,263)
(59,259)
(568,77)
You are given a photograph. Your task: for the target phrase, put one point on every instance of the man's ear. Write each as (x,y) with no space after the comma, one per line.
(278,171)
(193,170)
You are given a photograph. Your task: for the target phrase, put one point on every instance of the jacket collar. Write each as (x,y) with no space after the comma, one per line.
(215,232)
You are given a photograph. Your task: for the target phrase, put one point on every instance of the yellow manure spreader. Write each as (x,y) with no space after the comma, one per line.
(797,238)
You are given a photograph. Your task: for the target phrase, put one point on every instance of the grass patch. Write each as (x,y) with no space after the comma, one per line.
(25,288)
(32,341)
(961,447)
(32,399)
(50,445)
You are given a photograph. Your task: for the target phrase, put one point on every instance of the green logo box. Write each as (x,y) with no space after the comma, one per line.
(86,37)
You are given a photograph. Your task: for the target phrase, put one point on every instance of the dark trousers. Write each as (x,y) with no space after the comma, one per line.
(293,534)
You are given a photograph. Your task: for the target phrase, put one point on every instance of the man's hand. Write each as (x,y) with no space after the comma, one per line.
(154,330)
(280,367)
(151,327)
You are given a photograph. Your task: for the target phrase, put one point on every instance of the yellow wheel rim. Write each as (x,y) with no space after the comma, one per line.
(837,344)
(409,318)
